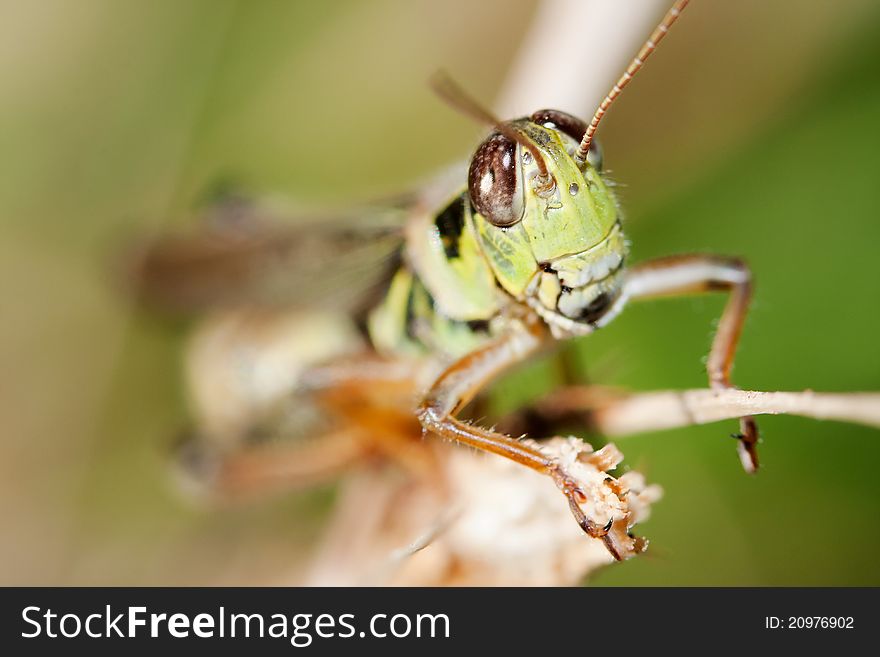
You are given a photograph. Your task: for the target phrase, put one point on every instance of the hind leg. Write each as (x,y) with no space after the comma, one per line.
(363,410)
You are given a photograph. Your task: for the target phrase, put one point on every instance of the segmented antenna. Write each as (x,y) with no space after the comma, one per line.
(459,99)
(633,68)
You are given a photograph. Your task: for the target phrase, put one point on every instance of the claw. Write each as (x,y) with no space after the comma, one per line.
(572,491)
(599,532)
(590,527)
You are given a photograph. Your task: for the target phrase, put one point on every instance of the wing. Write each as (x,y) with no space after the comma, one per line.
(263,254)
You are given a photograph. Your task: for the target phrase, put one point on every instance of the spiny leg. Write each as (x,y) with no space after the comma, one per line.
(706,273)
(461,381)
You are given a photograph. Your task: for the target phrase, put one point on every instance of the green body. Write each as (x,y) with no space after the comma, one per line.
(463,277)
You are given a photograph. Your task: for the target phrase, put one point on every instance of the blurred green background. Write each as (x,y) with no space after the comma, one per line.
(754,133)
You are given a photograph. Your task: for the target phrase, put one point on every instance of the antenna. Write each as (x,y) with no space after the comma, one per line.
(633,68)
(459,99)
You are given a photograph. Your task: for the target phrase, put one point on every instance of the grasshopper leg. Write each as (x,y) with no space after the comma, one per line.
(463,380)
(687,274)
(368,403)
(250,470)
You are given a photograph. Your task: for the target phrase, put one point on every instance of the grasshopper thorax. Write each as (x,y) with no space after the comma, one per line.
(548,226)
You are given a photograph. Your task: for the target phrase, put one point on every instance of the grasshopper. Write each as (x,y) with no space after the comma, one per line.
(530,252)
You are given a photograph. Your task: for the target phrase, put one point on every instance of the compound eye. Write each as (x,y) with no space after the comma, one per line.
(495,182)
(572,127)
(561,122)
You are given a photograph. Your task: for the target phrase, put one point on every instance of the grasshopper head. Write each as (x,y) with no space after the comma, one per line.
(546,221)
(548,226)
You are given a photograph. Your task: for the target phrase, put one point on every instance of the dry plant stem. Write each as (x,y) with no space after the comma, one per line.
(573,52)
(652,411)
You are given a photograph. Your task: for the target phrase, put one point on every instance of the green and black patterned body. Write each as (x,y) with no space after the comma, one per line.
(443,299)
(494,251)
